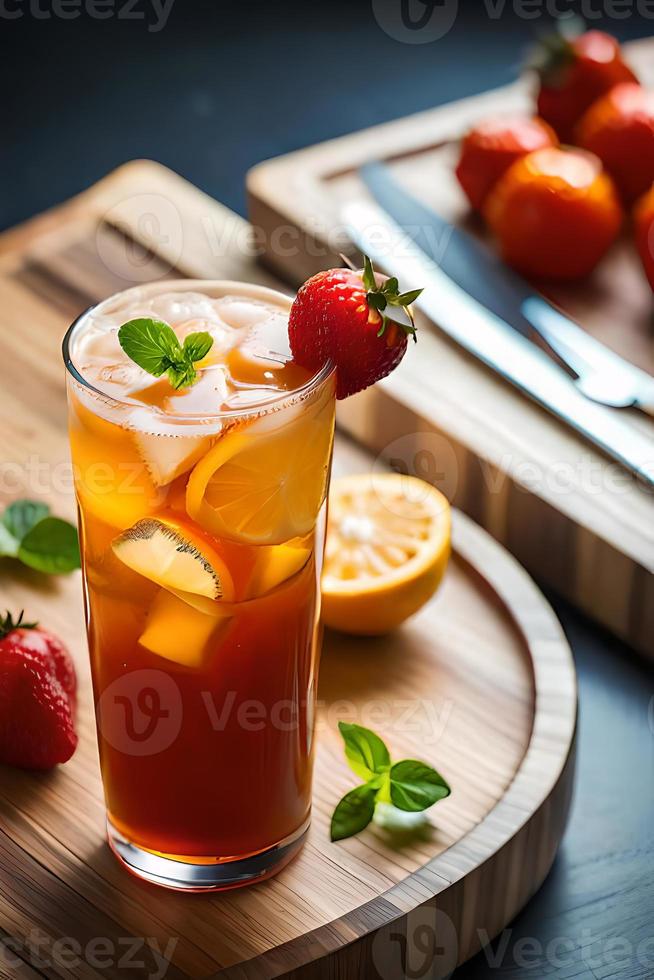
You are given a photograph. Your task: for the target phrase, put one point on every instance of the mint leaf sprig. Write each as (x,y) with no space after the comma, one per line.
(47,544)
(154,346)
(408,785)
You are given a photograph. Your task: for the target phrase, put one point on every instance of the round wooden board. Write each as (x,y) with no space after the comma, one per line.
(481,684)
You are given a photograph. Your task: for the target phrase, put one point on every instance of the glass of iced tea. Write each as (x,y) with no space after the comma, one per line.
(202,522)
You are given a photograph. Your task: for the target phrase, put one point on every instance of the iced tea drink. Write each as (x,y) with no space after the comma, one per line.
(202,522)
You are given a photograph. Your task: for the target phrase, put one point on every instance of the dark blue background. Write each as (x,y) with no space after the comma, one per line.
(225,85)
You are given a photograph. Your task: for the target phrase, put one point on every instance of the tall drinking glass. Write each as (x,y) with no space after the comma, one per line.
(202,523)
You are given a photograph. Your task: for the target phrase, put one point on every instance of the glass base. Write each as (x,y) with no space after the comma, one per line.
(214,875)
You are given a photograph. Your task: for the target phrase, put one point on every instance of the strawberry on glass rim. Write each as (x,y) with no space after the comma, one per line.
(342,316)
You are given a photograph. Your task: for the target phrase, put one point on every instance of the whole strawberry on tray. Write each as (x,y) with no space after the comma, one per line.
(37,696)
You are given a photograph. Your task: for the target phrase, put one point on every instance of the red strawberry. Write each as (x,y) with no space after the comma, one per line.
(339,315)
(574,72)
(644,227)
(490,147)
(619,129)
(37,697)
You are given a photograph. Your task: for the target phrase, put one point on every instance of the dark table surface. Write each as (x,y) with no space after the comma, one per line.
(217,87)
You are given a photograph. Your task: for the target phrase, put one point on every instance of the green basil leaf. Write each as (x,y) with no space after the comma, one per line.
(180,376)
(198,345)
(353,813)
(366,754)
(415,786)
(8,543)
(152,344)
(51,546)
(22,515)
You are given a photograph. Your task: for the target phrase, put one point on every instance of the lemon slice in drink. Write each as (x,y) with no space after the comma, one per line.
(179,632)
(388,542)
(277,564)
(174,557)
(264,482)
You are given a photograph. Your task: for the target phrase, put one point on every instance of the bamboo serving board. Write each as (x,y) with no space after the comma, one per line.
(480,683)
(575,520)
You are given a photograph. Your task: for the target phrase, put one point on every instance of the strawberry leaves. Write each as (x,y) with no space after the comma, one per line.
(29,533)
(154,346)
(379,298)
(409,786)
(21,516)
(8,624)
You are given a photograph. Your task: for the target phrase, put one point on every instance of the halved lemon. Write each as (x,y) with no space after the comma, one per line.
(264,482)
(177,631)
(173,556)
(388,542)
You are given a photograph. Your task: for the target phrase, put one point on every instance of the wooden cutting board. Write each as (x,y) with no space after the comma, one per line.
(575,520)
(480,683)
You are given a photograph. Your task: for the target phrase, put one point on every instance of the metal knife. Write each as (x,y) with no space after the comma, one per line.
(598,372)
(491,339)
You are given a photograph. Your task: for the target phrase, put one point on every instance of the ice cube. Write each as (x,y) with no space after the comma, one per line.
(205,397)
(174,308)
(166,448)
(102,344)
(242,313)
(268,339)
(126,376)
(223,336)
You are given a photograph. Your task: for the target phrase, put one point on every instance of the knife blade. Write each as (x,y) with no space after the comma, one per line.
(485,277)
(492,340)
